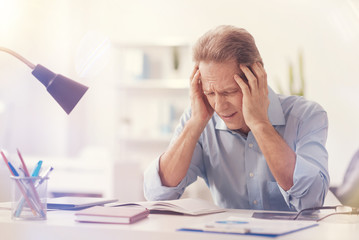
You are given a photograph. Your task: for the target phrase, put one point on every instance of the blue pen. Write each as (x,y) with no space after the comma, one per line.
(45,176)
(231,222)
(16,174)
(36,171)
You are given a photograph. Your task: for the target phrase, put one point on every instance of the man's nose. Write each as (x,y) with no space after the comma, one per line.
(221,103)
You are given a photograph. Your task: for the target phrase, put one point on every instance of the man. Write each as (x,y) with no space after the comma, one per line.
(254,149)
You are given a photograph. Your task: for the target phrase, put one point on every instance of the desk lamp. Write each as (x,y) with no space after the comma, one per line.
(65,91)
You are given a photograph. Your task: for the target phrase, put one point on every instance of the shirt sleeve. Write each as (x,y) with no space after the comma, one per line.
(153,188)
(311,178)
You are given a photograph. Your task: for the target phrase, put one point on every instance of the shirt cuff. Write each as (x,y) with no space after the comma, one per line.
(154,190)
(308,188)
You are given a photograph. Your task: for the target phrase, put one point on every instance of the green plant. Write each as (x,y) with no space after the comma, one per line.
(175,55)
(296,87)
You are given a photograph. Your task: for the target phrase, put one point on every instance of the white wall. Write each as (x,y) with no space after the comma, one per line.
(50,33)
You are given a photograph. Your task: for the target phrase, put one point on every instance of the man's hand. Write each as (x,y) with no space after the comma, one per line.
(201,109)
(175,162)
(255,95)
(280,157)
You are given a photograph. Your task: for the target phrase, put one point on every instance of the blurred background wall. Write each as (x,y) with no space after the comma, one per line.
(136,58)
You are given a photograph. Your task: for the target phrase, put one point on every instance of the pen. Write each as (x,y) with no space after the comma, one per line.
(22,171)
(13,170)
(231,222)
(32,187)
(224,229)
(35,173)
(18,183)
(23,164)
(45,175)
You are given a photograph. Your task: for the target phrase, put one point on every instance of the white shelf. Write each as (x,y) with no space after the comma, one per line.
(157,42)
(162,139)
(151,84)
(153,91)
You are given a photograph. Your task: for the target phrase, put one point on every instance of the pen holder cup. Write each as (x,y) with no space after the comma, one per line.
(29,198)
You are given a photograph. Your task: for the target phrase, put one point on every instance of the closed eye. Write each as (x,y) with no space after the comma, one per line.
(229,93)
(225,93)
(209,93)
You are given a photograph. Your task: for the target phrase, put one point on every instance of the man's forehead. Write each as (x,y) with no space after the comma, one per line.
(211,69)
(219,85)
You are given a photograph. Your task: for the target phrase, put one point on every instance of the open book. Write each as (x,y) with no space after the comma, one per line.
(187,206)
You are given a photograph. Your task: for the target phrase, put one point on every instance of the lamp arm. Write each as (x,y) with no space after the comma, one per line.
(18,56)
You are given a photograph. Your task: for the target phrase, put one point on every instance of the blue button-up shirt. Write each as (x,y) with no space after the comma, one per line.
(235,170)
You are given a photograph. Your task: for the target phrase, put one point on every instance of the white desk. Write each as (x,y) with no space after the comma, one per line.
(61,225)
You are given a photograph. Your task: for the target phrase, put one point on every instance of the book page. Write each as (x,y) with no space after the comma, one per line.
(187,206)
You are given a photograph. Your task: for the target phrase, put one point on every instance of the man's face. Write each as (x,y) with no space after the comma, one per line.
(223,93)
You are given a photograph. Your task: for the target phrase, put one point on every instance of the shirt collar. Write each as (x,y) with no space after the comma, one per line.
(275,112)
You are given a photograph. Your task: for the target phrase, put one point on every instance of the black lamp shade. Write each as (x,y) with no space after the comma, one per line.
(64,90)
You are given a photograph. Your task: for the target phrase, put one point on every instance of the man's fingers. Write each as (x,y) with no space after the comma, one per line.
(195,69)
(265,81)
(241,83)
(252,79)
(257,73)
(260,74)
(195,81)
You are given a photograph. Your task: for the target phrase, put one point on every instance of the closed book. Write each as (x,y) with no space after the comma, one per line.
(100,214)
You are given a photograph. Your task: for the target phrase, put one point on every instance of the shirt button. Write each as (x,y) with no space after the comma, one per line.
(255,202)
(250,145)
(251,174)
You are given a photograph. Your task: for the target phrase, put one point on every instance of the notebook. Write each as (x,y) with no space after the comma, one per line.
(76,203)
(121,215)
